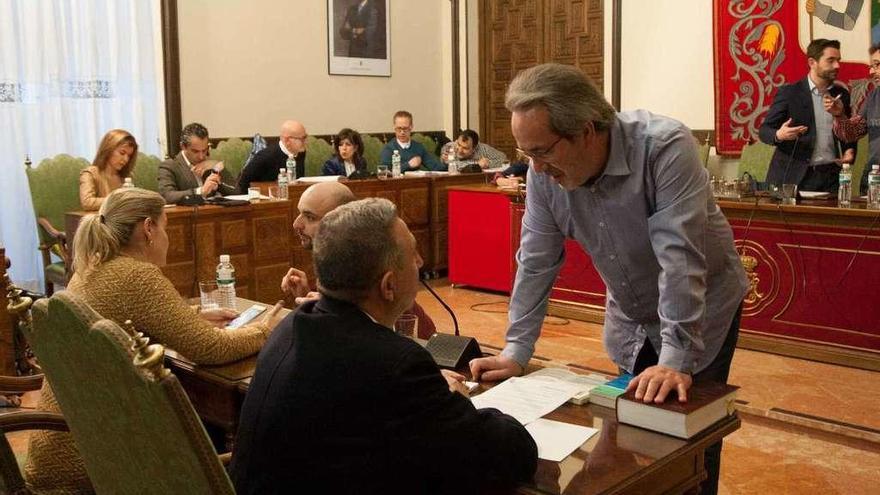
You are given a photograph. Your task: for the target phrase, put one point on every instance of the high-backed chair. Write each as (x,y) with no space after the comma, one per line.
(54,191)
(130,419)
(372,150)
(146,173)
(319,151)
(233,152)
(428,142)
(858,167)
(755,159)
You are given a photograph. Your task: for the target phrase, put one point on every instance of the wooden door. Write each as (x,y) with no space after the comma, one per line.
(517,34)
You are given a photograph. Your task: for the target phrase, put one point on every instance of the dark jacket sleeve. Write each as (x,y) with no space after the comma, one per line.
(429,162)
(776,116)
(453,437)
(167,181)
(253,170)
(331,167)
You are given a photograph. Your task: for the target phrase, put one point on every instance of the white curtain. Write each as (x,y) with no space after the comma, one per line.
(70,70)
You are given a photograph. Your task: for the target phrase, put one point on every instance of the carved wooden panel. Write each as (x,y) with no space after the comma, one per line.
(518,34)
(413,206)
(179,242)
(233,234)
(206,252)
(270,235)
(181,276)
(7,346)
(267,282)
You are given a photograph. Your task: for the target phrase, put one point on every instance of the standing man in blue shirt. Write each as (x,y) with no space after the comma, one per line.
(630,188)
(413,156)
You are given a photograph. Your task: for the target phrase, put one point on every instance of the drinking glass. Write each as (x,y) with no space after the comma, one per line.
(209,298)
(789,194)
(407,325)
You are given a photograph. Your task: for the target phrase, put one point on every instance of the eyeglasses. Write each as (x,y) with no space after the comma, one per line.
(300,138)
(402,129)
(875,65)
(539,155)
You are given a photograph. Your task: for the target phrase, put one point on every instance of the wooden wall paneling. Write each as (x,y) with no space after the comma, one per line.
(7,340)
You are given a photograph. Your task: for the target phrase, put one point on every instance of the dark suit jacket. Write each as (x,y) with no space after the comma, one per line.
(794,101)
(335,166)
(265,165)
(340,404)
(176,180)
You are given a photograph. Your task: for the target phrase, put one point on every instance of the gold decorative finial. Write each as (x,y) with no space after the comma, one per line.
(148,358)
(18,306)
(749,263)
(27,161)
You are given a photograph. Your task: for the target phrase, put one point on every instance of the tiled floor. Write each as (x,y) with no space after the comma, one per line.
(766,455)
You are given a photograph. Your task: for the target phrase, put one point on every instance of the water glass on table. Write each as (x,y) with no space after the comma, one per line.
(382,172)
(254,193)
(209,298)
(407,325)
(789,194)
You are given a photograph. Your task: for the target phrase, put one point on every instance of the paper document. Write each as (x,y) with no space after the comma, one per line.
(320,178)
(244,197)
(524,399)
(556,440)
(424,173)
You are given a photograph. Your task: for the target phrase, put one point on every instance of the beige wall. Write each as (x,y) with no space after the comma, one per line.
(246,66)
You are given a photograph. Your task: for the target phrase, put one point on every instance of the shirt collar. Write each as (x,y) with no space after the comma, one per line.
(281,144)
(185,159)
(617,162)
(404,145)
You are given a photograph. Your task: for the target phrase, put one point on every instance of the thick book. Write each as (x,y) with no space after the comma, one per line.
(707,403)
(606,395)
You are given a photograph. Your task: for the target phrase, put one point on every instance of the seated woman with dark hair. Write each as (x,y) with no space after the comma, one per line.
(114,161)
(349,157)
(117,255)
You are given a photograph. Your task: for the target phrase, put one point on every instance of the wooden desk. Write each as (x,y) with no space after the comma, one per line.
(421,203)
(618,459)
(258,237)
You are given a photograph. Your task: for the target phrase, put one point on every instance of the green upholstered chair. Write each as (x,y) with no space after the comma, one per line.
(54,186)
(133,423)
(704,153)
(18,419)
(858,167)
(755,159)
(318,152)
(428,142)
(146,172)
(233,153)
(372,149)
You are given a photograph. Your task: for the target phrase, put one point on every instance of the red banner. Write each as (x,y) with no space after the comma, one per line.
(757,50)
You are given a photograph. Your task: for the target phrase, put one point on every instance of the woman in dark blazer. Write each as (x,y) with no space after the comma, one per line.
(348,157)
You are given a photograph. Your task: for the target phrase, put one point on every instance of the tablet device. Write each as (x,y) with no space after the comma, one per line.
(246,316)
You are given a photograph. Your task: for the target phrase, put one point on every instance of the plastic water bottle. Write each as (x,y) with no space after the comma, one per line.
(844,189)
(395,164)
(282,183)
(291,169)
(226,282)
(874,188)
(128,184)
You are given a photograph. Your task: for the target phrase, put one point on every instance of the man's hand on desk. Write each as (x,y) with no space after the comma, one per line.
(655,383)
(219,317)
(494,368)
(455,381)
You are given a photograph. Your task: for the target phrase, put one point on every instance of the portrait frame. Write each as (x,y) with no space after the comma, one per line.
(359,38)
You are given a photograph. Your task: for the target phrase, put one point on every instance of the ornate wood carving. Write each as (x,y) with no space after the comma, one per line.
(517,34)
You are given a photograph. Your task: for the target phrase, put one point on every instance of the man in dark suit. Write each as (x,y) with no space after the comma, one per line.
(807,152)
(361,29)
(265,165)
(190,172)
(339,403)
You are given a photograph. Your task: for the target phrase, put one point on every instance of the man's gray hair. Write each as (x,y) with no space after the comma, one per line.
(568,94)
(354,247)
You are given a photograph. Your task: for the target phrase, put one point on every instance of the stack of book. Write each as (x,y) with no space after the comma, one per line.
(606,395)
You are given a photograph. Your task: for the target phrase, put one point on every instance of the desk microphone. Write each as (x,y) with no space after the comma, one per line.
(451,351)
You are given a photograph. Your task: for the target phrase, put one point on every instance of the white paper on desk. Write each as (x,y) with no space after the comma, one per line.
(556,440)
(319,178)
(524,399)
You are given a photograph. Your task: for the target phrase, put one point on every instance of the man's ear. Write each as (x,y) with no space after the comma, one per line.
(388,285)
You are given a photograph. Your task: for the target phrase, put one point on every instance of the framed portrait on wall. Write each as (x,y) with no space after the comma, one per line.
(358,37)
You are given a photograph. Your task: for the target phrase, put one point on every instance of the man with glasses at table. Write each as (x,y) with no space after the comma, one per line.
(413,156)
(266,164)
(629,187)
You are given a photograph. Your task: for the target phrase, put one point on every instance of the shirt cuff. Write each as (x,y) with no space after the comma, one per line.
(676,359)
(518,352)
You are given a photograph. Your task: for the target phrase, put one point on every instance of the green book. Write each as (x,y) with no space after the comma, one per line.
(606,395)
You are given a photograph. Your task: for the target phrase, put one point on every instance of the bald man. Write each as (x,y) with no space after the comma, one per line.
(265,165)
(316,201)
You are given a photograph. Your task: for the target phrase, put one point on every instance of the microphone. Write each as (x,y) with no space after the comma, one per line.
(451,351)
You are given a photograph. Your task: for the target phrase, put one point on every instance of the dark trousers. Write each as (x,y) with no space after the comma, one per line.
(821,178)
(717,371)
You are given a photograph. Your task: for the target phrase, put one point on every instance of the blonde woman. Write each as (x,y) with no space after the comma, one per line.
(117,255)
(114,161)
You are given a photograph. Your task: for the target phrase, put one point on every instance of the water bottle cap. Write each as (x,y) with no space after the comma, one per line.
(875,167)
(224,258)
(846,166)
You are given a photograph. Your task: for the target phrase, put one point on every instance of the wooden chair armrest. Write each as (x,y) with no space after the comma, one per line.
(32,420)
(225,459)
(55,233)
(20,384)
